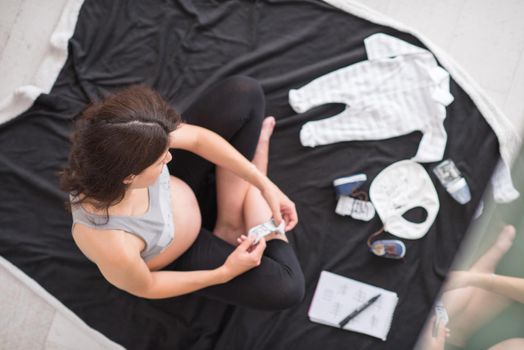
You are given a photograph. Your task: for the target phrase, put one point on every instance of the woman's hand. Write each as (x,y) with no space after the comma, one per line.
(428,341)
(244,258)
(281,206)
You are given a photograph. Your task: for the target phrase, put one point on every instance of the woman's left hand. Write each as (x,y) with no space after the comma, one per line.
(281,206)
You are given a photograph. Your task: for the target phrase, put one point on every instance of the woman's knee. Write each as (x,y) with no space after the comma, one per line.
(245,86)
(293,292)
(247,92)
(285,293)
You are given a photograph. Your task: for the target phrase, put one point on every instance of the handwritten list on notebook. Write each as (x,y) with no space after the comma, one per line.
(337,296)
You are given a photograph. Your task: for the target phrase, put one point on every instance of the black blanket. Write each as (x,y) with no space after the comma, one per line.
(179,48)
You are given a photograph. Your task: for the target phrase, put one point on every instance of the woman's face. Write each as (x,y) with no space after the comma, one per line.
(149,175)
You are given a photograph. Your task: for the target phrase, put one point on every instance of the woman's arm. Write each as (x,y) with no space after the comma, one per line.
(130,273)
(217,150)
(511,287)
(126,270)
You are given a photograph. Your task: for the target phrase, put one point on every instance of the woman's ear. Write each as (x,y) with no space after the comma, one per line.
(129,179)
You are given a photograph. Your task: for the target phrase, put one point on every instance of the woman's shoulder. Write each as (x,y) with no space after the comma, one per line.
(80,202)
(102,244)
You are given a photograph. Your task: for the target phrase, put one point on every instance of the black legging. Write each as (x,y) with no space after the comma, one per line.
(234,109)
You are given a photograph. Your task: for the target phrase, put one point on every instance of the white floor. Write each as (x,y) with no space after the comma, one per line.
(25,29)
(485,36)
(32,319)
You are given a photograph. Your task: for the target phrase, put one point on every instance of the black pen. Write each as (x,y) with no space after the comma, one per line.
(358,311)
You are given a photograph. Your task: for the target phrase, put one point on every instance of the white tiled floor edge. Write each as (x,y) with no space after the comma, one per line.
(34,319)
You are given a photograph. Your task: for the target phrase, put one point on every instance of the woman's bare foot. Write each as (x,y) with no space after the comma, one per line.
(487,263)
(262,152)
(274,235)
(261,160)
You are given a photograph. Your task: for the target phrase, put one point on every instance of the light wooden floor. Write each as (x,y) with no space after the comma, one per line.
(485,36)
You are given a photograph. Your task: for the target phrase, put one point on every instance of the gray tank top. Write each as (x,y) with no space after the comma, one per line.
(155,227)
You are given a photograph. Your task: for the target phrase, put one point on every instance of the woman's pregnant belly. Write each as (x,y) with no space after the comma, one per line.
(187,221)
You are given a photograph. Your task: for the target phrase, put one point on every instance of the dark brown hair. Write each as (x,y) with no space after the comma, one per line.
(119,136)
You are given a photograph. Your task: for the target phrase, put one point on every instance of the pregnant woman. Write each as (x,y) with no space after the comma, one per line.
(161,203)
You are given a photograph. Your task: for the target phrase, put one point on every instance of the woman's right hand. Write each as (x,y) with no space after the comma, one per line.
(244,258)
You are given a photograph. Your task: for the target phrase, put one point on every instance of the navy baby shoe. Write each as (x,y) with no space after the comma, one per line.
(345,186)
(389,248)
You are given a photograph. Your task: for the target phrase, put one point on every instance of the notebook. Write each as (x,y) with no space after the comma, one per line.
(337,296)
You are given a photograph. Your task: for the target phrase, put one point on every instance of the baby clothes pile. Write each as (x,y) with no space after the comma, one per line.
(398,90)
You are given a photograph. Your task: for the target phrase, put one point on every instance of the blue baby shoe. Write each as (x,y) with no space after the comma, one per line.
(345,186)
(388,248)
